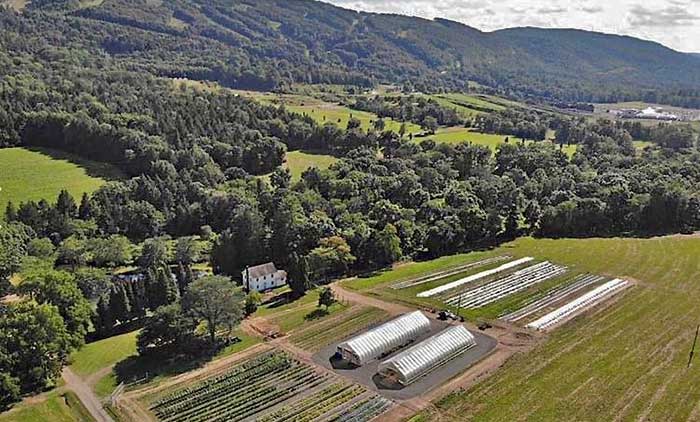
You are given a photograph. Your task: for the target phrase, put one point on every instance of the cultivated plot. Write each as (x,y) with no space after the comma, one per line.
(271,387)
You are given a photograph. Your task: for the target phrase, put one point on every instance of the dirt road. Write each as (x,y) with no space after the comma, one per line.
(91,402)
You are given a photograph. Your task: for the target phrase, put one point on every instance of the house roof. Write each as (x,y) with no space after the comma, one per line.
(262,270)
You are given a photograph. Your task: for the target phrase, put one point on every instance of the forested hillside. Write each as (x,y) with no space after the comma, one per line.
(268,44)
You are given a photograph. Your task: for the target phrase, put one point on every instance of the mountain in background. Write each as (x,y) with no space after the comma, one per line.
(267,44)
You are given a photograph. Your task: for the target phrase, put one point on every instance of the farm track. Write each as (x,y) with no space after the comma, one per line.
(91,402)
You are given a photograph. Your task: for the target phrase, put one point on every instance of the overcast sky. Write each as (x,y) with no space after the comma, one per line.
(675,23)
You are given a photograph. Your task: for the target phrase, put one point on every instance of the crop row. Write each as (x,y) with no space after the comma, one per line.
(365,410)
(506,286)
(553,296)
(258,367)
(324,334)
(448,273)
(187,406)
(247,390)
(303,404)
(579,305)
(267,385)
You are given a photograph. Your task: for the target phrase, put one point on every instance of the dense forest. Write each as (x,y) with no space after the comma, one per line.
(97,82)
(270,44)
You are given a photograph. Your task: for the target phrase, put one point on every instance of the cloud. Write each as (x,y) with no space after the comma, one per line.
(592,9)
(552,10)
(670,16)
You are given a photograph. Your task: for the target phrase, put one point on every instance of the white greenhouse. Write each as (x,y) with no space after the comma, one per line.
(393,334)
(427,355)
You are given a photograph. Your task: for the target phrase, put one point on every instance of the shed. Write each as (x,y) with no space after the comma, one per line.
(380,340)
(418,360)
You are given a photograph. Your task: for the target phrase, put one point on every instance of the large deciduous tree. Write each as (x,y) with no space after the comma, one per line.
(34,345)
(216,301)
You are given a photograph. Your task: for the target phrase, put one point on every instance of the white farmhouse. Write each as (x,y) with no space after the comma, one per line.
(263,277)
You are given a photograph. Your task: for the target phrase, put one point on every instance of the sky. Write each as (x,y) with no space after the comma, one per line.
(674,23)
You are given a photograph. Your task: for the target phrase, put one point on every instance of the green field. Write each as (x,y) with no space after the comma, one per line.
(627,362)
(340,115)
(103,353)
(41,174)
(299,161)
(111,351)
(54,406)
(470,102)
(455,135)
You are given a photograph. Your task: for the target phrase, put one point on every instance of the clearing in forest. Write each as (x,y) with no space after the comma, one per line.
(41,174)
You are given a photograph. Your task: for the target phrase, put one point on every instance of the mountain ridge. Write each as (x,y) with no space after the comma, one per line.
(265,44)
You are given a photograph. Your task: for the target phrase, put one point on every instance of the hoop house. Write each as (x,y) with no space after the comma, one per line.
(427,355)
(393,334)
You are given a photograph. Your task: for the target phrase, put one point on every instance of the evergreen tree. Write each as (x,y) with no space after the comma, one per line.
(161,288)
(104,318)
(65,204)
(119,304)
(85,209)
(298,275)
(10,212)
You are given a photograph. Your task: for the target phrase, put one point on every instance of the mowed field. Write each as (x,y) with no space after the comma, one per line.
(626,361)
(42,174)
(455,135)
(299,161)
(341,115)
(54,406)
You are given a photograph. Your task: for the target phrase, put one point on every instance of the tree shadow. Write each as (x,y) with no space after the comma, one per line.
(316,314)
(95,169)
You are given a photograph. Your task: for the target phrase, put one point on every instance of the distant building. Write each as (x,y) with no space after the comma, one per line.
(263,277)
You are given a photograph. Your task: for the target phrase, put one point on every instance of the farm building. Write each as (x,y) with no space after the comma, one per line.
(374,343)
(427,355)
(263,277)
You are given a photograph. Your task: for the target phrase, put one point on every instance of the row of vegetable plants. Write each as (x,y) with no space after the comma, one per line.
(247,390)
(316,405)
(258,367)
(321,335)
(365,410)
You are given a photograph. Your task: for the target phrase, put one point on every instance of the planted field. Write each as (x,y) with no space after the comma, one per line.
(622,362)
(322,334)
(553,296)
(505,286)
(42,174)
(270,387)
(579,305)
(290,321)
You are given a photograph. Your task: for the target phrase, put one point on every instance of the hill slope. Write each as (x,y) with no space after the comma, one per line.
(265,44)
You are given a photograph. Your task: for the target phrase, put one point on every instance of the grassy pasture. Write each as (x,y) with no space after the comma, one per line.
(340,115)
(455,135)
(41,174)
(103,353)
(299,161)
(54,406)
(470,101)
(625,362)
